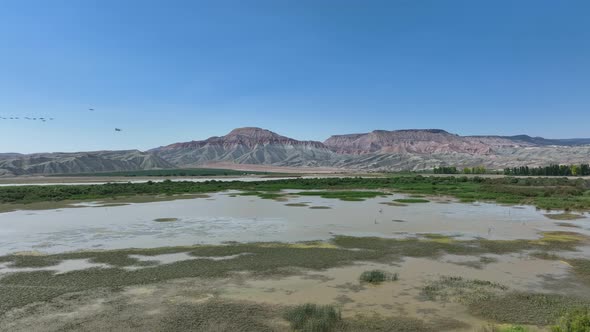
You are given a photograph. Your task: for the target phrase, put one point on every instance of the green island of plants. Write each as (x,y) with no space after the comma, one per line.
(544,193)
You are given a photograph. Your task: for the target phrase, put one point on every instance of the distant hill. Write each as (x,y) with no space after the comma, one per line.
(247,146)
(80,162)
(420,141)
(379,150)
(545,141)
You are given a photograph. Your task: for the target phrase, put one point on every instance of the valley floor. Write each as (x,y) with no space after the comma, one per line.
(359,257)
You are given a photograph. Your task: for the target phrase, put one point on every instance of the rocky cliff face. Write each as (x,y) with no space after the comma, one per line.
(247,146)
(426,141)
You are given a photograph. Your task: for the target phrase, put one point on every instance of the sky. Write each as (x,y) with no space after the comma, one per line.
(173,71)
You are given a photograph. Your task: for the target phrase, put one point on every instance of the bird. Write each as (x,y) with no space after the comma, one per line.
(117,129)
(91,109)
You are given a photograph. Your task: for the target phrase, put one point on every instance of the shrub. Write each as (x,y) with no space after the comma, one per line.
(378,276)
(574,321)
(314,318)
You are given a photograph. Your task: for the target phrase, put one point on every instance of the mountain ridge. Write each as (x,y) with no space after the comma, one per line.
(379,150)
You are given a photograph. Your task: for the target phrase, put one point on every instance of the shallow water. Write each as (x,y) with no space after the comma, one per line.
(98,180)
(403,297)
(62,267)
(224,218)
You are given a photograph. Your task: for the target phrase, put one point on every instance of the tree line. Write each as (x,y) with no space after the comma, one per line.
(465,170)
(551,170)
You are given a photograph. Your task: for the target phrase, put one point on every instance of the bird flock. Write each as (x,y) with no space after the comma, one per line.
(42,119)
(26,118)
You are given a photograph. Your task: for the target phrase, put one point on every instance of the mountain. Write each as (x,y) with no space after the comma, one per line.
(379,150)
(419,141)
(544,141)
(80,162)
(247,146)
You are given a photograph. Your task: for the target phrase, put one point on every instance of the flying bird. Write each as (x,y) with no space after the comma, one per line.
(91,109)
(117,129)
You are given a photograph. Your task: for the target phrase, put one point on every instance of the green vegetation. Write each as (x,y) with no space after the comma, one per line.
(179,172)
(577,320)
(263,195)
(509,328)
(296,204)
(454,170)
(513,328)
(210,316)
(320,207)
(264,259)
(343,195)
(475,170)
(526,308)
(493,301)
(564,216)
(551,170)
(378,276)
(545,193)
(411,200)
(314,318)
(165,219)
(445,170)
(327,318)
(458,289)
(393,204)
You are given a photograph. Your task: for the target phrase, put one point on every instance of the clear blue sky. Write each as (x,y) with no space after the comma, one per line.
(168,71)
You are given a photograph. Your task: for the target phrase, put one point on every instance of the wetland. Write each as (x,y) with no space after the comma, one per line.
(349,254)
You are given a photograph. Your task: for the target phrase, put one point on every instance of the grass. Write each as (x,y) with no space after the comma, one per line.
(411,200)
(211,316)
(458,289)
(564,216)
(327,318)
(495,302)
(566,224)
(166,219)
(263,259)
(393,204)
(504,328)
(296,204)
(544,193)
(577,320)
(320,207)
(378,276)
(526,308)
(352,196)
(263,195)
(314,318)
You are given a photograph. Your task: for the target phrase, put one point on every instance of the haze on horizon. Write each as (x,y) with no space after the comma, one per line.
(188,70)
